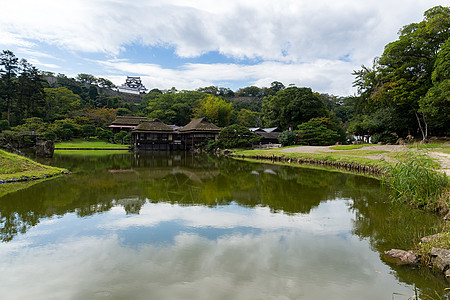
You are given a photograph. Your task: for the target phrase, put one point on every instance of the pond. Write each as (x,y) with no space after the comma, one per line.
(189,226)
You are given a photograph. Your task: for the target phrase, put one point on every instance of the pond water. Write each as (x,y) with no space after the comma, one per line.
(187,226)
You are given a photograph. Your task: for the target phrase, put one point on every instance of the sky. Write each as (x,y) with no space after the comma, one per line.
(188,44)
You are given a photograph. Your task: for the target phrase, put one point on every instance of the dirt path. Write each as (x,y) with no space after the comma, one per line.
(442,158)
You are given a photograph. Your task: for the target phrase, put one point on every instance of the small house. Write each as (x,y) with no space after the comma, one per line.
(198,131)
(152,135)
(269,135)
(125,123)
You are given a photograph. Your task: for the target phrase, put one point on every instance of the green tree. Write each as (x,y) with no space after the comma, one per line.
(58,102)
(291,107)
(436,103)
(212,90)
(31,96)
(320,132)
(237,136)
(172,108)
(250,91)
(105,83)
(120,137)
(93,93)
(88,130)
(248,118)
(86,78)
(402,75)
(217,110)
(277,86)
(9,67)
(4,125)
(75,86)
(287,138)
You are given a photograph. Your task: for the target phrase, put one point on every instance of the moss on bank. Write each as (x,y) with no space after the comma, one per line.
(15,168)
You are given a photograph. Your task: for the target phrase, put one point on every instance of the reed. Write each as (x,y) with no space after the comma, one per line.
(413,179)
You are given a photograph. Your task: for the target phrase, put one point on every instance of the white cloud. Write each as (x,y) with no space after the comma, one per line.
(8,39)
(41,64)
(300,29)
(310,36)
(227,217)
(321,75)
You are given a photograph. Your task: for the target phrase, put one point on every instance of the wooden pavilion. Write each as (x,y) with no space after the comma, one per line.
(125,123)
(198,131)
(153,135)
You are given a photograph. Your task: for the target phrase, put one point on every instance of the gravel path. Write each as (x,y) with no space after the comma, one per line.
(443,158)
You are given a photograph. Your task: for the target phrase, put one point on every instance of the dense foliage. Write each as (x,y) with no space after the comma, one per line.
(410,80)
(234,136)
(320,132)
(287,138)
(406,93)
(291,107)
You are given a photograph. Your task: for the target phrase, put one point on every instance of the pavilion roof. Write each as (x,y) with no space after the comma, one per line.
(126,120)
(201,124)
(153,125)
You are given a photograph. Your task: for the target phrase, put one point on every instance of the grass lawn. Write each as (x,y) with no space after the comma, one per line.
(90,152)
(93,143)
(349,147)
(13,166)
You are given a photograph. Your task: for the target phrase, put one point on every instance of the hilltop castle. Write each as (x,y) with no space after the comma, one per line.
(132,85)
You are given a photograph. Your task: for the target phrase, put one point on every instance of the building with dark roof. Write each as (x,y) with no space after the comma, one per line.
(156,135)
(269,135)
(132,85)
(152,135)
(125,123)
(197,132)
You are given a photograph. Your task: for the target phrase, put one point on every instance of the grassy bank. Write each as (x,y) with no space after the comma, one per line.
(410,175)
(90,152)
(90,144)
(348,159)
(18,168)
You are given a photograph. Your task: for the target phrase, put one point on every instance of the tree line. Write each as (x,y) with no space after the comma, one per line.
(404,94)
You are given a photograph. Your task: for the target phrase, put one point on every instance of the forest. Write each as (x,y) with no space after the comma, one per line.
(404,95)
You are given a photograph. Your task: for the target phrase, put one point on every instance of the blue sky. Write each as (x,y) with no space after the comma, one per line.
(189,44)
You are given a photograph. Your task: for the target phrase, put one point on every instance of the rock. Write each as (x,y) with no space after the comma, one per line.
(44,148)
(405,257)
(440,258)
(430,238)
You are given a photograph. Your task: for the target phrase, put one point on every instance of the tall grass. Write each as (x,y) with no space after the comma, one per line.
(413,179)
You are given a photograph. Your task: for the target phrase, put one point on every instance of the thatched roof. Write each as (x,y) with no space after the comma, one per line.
(126,120)
(201,124)
(154,125)
(269,135)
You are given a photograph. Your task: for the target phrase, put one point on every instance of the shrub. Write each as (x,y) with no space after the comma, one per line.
(287,138)
(122,137)
(88,130)
(384,138)
(236,136)
(48,135)
(4,125)
(104,134)
(320,132)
